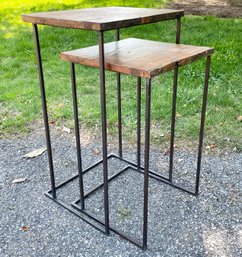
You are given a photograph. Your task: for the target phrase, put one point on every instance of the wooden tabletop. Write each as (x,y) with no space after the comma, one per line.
(104,18)
(142,58)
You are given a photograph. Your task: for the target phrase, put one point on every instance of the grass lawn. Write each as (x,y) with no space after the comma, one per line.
(19,91)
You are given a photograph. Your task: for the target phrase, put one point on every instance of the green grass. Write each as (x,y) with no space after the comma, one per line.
(19,92)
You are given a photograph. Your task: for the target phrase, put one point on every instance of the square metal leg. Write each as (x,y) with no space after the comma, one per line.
(44,108)
(104,127)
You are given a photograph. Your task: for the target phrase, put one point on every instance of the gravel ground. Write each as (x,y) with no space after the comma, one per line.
(179,224)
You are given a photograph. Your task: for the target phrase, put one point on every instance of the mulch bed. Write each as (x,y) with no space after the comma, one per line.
(218,9)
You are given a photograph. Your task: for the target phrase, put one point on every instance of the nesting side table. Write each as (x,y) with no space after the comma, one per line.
(143,59)
(119,56)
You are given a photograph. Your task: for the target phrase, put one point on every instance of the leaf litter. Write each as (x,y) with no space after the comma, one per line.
(35,153)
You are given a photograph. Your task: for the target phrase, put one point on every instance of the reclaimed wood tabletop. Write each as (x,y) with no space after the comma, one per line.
(139,57)
(102,18)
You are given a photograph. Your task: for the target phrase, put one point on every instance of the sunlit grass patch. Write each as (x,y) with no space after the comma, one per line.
(19,90)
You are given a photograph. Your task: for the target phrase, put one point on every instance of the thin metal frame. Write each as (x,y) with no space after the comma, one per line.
(85,214)
(75,207)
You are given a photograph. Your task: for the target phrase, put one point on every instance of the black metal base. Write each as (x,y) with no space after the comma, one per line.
(92,219)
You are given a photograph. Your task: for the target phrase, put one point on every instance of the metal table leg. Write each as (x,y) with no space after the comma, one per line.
(205,93)
(173,120)
(44,107)
(146,168)
(104,128)
(78,144)
(119,105)
(138,121)
(178,30)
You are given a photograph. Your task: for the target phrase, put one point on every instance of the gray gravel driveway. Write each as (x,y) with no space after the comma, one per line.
(179,224)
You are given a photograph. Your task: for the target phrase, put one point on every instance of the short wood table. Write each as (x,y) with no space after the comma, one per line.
(143,59)
(100,20)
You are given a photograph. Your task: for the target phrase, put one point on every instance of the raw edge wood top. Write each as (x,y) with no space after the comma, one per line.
(142,58)
(104,18)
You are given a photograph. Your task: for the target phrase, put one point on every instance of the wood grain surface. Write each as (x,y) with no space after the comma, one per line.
(139,57)
(103,18)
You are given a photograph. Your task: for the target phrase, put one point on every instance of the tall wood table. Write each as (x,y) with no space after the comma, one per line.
(100,20)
